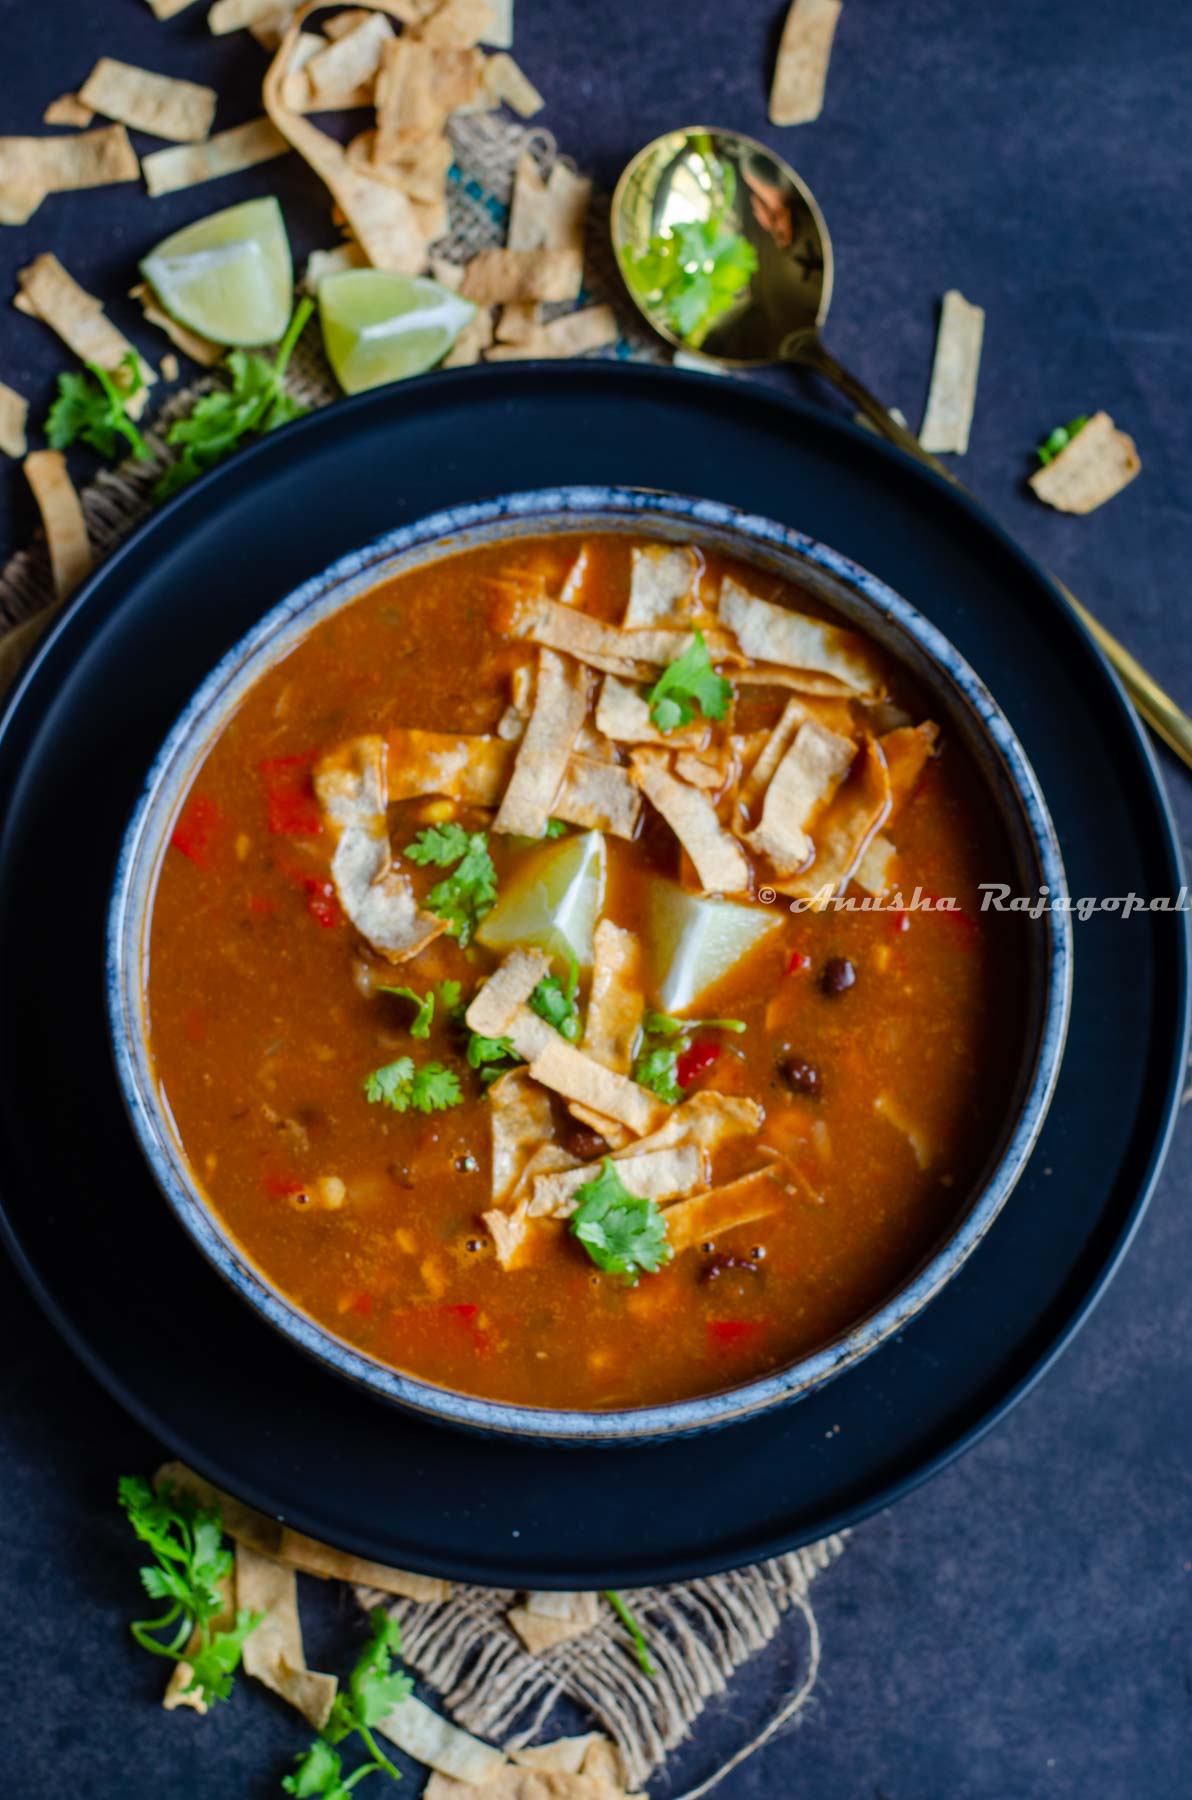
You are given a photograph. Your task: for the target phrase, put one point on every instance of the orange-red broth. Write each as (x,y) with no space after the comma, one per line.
(262,1039)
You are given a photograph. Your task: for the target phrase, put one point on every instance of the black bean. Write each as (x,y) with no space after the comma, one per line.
(582,1141)
(838,975)
(800,1076)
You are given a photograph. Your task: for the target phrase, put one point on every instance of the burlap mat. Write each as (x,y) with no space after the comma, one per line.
(702,1631)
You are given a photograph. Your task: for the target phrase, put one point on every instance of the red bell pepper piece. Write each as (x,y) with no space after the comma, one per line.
(798,963)
(197,828)
(290,804)
(697,1057)
(723,1334)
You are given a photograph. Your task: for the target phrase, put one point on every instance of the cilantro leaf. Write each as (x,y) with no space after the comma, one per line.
(555,828)
(482,1052)
(93,408)
(1060,438)
(213,1664)
(400,1085)
(663,1025)
(318,1775)
(689,683)
(657,1069)
(423,1003)
(256,402)
(374,1689)
(691,274)
(621,1232)
(554,1000)
(464,897)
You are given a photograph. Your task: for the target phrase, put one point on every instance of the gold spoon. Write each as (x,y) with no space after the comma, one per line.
(701,174)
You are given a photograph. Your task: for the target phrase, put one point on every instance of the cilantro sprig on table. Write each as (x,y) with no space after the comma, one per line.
(92,408)
(1060,438)
(692,273)
(189,1569)
(463,897)
(256,402)
(446,995)
(623,1233)
(402,1084)
(689,683)
(374,1689)
(656,1065)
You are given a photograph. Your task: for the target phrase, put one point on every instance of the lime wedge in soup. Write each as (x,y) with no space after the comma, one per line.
(380,327)
(693,943)
(553,900)
(229,276)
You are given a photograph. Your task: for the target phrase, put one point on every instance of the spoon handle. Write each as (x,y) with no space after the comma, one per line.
(1165,718)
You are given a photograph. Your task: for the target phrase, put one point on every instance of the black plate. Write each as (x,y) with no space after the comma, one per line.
(160,1329)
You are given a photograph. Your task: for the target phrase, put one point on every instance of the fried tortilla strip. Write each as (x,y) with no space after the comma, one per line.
(420,172)
(495,1005)
(273,1653)
(758,772)
(244,1523)
(20,196)
(801,72)
(774,634)
(844,829)
(650,1174)
(520,1116)
(662,587)
(741,1202)
(547,213)
(14,412)
(508,1231)
(62,517)
(548,1619)
(178,1689)
(559,1066)
(349,62)
(199,349)
(159,104)
(616,999)
(805,780)
(512,1783)
(575,333)
(953,391)
(707,1120)
(906,750)
(895,1115)
(628,653)
(518,322)
(471,343)
(382,220)
(433,1740)
(1091,468)
(599,796)
(457,24)
(718,859)
(710,770)
(800,681)
(67,109)
(166,171)
(166,9)
(564,1756)
(352,786)
(623,714)
(32,167)
(474,769)
(247,15)
(331,262)
(417,87)
(306,1554)
(496,277)
(560,707)
(80,321)
(507,84)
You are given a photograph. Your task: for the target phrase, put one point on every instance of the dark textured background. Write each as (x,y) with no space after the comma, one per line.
(1023,1626)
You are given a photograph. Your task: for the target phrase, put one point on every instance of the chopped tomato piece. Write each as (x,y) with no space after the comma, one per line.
(197,830)
(282,1185)
(723,1334)
(290,804)
(321,902)
(798,963)
(697,1057)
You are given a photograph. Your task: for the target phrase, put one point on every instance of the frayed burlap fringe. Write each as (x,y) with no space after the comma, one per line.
(699,1634)
(702,1632)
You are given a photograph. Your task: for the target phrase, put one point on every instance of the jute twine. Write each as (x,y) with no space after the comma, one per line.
(702,1631)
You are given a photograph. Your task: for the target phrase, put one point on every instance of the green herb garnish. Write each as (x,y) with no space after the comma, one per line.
(493,1057)
(640,1647)
(374,1689)
(656,1069)
(663,1025)
(424,1016)
(93,408)
(689,683)
(621,1232)
(464,897)
(555,828)
(656,1065)
(1060,438)
(554,1000)
(401,1085)
(690,274)
(255,403)
(188,1572)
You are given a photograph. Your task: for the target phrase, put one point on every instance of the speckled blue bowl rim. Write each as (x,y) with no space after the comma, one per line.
(555,510)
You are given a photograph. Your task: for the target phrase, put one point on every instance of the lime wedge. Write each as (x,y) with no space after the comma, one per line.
(693,943)
(229,276)
(379,327)
(552,901)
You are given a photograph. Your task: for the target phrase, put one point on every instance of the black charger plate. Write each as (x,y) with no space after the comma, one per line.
(99,1247)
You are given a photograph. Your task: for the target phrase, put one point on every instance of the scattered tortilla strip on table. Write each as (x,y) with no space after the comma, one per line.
(273,1653)
(495,1004)
(348,62)
(953,391)
(457,24)
(380,218)
(471,343)
(339,24)
(550,212)
(433,1740)
(1092,467)
(242,1522)
(67,109)
(420,172)
(506,83)
(564,1756)
(242,15)
(199,349)
(598,796)
(806,779)
(14,412)
(623,714)
(719,862)
(844,828)
(62,517)
(741,1202)
(518,321)
(352,786)
(170,367)
(650,1174)
(474,769)
(80,321)
(306,1554)
(168,9)
(573,334)
(513,1783)
(520,1119)
(331,262)
(774,634)
(166,171)
(495,277)
(178,1691)
(548,1619)
(560,707)
(159,104)
(801,71)
(32,167)
(498,33)
(560,1066)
